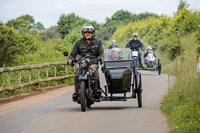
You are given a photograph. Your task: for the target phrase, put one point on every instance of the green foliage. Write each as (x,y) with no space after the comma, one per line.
(72,38)
(15,46)
(198,41)
(71,22)
(50,33)
(145,15)
(175,50)
(9,47)
(182,4)
(161,32)
(181,104)
(25,24)
(120,17)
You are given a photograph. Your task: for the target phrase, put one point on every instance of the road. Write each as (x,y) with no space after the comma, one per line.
(60,115)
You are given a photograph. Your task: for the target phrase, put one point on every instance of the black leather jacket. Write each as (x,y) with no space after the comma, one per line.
(82,48)
(135,44)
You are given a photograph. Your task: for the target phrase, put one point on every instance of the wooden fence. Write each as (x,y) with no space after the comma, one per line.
(29,68)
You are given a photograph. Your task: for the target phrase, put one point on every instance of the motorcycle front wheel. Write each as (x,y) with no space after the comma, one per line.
(83,96)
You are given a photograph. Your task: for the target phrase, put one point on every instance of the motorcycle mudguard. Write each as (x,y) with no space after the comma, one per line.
(83,77)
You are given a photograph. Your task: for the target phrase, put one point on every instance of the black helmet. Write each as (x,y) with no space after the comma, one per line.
(88,28)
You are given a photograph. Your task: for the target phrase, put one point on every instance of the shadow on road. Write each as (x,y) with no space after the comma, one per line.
(150,74)
(111,108)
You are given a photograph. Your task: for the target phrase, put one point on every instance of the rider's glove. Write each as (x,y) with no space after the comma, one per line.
(143,49)
(101,59)
(70,62)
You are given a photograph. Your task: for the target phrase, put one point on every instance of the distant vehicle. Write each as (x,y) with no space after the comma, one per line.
(152,63)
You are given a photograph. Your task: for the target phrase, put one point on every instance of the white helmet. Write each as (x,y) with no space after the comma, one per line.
(113,41)
(135,34)
(88,28)
(149,47)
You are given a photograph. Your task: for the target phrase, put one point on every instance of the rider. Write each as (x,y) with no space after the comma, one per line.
(88,45)
(116,54)
(113,45)
(136,44)
(149,51)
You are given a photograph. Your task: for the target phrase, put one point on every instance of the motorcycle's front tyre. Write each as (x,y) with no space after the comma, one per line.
(83,96)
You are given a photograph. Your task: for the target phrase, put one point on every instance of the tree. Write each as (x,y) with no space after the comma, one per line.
(25,23)
(146,15)
(8,45)
(14,46)
(182,4)
(73,22)
(66,23)
(39,26)
(50,33)
(120,17)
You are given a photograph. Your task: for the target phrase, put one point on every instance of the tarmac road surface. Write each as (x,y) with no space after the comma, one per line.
(60,115)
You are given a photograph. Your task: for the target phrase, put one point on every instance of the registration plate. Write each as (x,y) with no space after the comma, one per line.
(134,53)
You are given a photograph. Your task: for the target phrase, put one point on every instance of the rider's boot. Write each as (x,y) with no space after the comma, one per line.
(134,93)
(96,89)
(76,93)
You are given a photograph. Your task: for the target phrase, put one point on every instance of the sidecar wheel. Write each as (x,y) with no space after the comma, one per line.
(82,96)
(159,66)
(139,93)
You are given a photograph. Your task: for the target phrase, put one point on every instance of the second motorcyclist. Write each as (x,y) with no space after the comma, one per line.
(88,45)
(136,44)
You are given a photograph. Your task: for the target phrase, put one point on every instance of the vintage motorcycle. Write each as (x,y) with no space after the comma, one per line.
(150,62)
(86,82)
(120,78)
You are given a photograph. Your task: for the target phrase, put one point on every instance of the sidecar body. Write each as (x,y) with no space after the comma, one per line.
(118,71)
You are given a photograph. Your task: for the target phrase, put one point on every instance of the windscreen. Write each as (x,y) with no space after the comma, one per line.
(116,54)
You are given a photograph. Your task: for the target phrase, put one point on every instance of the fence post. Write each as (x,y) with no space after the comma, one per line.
(47,74)
(8,80)
(168,82)
(29,79)
(38,75)
(54,70)
(19,80)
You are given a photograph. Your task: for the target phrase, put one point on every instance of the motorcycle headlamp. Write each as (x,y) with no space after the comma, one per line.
(83,63)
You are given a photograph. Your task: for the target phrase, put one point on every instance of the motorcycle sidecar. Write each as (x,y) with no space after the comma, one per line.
(120,77)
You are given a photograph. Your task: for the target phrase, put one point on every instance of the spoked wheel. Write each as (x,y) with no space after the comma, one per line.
(159,66)
(138,80)
(83,96)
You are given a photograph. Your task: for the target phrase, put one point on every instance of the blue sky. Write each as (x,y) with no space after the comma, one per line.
(49,11)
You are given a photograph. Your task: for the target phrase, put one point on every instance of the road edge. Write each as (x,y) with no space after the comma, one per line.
(27,95)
